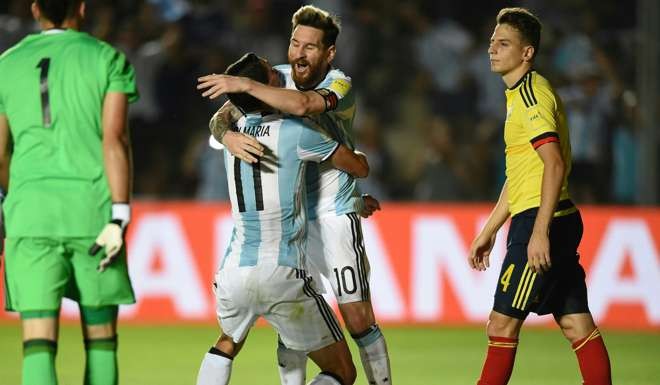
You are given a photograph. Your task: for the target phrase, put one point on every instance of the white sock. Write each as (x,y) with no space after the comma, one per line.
(292,365)
(373,353)
(324,379)
(215,370)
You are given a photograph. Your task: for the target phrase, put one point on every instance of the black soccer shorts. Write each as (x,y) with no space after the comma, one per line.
(561,290)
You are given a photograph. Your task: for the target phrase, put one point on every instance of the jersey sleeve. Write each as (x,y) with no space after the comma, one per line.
(314,145)
(121,75)
(337,90)
(540,118)
(214,144)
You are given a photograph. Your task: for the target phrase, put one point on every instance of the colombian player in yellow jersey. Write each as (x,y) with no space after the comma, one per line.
(541,272)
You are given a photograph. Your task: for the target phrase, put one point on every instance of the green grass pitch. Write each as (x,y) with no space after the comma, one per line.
(170,355)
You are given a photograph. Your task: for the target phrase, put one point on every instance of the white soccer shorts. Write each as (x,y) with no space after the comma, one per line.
(335,248)
(284,296)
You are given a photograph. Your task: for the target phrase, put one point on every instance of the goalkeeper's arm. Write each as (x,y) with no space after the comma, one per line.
(5,139)
(5,152)
(118,167)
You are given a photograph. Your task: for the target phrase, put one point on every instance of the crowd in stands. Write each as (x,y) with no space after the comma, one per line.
(430,113)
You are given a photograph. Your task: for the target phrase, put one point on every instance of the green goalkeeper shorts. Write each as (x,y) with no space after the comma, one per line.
(40,271)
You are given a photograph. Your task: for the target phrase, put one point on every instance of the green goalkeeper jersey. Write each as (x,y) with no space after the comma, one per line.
(52,88)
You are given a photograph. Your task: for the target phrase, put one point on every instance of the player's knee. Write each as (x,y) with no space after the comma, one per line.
(358,316)
(358,323)
(498,329)
(99,331)
(227,345)
(571,334)
(501,325)
(39,328)
(99,322)
(575,326)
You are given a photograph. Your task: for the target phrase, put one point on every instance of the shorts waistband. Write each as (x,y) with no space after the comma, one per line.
(564,207)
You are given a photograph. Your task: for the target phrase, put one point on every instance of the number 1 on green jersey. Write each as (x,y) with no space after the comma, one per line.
(44,64)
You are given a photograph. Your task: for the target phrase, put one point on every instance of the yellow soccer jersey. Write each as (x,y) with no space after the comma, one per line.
(534,116)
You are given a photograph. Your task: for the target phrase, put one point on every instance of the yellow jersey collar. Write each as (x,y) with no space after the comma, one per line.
(521,80)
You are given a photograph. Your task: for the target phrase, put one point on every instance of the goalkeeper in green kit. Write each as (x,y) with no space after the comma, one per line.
(65,163)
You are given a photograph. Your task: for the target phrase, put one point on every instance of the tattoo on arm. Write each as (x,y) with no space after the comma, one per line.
(223,120)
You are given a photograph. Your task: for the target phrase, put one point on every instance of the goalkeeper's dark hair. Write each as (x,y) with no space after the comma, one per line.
(525,22)
(249,66)
(312,16)
(56,11)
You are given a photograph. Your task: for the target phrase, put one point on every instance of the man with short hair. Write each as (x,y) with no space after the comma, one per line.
(63,103)
(264,271)
(335,243)
(541,272)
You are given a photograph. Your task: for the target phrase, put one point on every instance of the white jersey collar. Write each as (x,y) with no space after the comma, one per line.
(53,31)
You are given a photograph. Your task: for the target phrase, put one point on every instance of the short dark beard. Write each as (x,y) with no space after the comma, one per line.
(315,78)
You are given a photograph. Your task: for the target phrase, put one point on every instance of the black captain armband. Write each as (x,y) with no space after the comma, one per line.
(330,98)
(544,138)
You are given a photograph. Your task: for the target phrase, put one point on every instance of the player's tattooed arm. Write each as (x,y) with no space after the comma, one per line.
(223,120)
(242,146)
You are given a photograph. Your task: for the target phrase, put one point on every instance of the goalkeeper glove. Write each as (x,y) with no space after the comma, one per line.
(111,237)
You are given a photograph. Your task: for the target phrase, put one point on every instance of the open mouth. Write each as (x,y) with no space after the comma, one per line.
(301,67)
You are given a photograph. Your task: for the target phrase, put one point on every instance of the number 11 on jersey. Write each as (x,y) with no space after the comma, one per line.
(256,184)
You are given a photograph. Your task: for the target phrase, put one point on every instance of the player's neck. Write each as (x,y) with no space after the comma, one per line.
(512,77)
(66,24)
(262,112)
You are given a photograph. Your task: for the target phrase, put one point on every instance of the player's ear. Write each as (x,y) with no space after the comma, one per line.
(528,53)
(36,12)
(81,10)
(331,53)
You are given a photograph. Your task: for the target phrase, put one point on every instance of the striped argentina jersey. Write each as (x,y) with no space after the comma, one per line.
(331,191)
(268,197)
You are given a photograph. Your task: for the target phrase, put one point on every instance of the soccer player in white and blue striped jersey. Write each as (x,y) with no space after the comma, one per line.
(335,244)
(264,269)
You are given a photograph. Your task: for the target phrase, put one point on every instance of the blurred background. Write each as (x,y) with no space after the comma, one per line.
(430,112)
(430,118)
